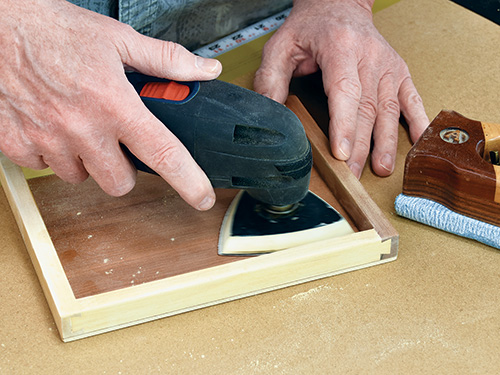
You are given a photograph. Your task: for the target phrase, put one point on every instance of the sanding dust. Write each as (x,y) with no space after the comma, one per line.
(305,295)
(257,365)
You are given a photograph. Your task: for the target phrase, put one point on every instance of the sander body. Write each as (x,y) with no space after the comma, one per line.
(240,139)
(243,140)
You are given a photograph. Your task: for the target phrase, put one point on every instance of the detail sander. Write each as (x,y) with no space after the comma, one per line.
(242,140)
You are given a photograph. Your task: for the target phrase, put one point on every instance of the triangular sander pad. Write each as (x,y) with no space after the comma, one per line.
(249,229)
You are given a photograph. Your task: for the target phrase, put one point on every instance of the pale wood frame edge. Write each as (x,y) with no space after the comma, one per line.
(343,184)
(79,318)
(43,255)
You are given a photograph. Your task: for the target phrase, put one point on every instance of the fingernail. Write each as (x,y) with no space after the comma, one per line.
(355,169)
(345,148)
(207,203)
(208,65)
(386,163)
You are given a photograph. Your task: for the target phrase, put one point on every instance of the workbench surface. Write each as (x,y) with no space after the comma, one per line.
(434,310)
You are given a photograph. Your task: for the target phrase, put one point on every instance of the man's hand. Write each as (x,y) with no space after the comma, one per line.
(65,101)
(366,81)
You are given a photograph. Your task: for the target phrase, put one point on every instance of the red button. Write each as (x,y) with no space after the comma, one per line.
(165,90)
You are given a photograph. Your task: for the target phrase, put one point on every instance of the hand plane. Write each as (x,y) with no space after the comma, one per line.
(456,163)
(242,140)
(452,178)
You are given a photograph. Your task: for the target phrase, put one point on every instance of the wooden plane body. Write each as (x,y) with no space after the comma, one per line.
(453,163)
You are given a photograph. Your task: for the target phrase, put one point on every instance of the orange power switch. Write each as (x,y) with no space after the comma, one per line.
(165,90)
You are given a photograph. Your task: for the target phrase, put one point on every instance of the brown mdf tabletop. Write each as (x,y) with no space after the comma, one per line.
(433,310)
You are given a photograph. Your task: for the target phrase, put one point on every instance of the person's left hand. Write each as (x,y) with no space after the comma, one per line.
(367,83)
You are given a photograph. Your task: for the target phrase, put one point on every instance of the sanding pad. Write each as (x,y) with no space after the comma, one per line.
(249,229)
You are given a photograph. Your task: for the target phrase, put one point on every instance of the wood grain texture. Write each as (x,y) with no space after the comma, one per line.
(433,311)
(457,175)
(107,243)
(363,212)
(114,262)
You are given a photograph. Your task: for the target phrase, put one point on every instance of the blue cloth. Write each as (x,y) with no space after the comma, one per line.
(192,23)
(438,216)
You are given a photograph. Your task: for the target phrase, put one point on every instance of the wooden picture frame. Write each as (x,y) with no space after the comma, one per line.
(77,316)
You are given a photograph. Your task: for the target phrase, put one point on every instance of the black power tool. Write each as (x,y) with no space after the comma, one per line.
(240,139)
(243,140)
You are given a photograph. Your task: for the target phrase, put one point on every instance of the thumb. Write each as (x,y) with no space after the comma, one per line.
(167,60)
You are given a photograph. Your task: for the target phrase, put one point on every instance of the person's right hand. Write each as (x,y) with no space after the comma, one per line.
(65,102)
